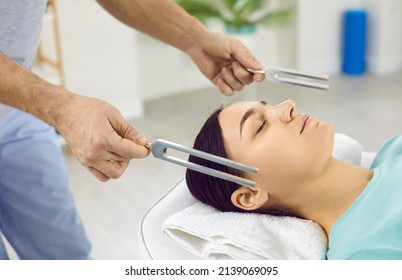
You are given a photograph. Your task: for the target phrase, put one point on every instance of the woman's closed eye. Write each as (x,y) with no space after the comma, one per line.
(262,126)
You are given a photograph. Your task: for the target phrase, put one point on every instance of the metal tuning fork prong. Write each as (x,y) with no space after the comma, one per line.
(295,77)
(159,150)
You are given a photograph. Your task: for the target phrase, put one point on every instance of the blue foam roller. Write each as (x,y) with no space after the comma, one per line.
(354,42)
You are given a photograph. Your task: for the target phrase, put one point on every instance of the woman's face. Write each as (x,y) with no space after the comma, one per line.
(287,147)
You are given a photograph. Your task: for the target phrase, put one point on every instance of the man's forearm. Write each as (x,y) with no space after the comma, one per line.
(22,89)
(161,19)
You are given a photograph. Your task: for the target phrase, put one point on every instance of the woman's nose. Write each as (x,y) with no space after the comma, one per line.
(288,111)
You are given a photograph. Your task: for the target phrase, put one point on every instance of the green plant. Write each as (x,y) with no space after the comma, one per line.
(236,13)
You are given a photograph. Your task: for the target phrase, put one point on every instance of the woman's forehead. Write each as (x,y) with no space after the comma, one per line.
(235,111)
(239,107)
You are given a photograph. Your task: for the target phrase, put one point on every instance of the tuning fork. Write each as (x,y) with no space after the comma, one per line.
(159,150)
(295,77)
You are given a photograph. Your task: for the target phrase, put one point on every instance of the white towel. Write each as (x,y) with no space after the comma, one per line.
(211,234)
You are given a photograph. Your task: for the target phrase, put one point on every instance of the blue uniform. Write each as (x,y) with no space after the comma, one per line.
(371,228)
(37,211)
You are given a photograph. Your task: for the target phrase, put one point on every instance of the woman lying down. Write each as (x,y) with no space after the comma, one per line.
(360,209)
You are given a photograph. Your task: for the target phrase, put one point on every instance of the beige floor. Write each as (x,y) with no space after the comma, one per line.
(366,108)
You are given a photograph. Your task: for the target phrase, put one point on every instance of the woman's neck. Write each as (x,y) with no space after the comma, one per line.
(329,196)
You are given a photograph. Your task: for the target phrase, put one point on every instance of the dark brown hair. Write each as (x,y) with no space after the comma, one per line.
(208,189)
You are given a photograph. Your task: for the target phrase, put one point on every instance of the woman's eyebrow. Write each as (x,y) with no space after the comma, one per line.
(248,114)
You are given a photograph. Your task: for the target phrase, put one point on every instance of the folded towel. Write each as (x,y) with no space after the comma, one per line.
(211,234)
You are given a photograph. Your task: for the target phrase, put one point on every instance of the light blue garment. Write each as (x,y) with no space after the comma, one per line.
(37,212)
(372,226)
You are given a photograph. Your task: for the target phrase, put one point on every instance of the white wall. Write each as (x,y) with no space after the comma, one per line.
(99,55)
(384,54)
(319,34)
(165,70)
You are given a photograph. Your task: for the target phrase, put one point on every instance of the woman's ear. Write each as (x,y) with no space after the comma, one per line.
(249,199)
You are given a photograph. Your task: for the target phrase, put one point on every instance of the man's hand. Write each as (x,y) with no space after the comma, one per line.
(224,60)
(100,137)
(95,131)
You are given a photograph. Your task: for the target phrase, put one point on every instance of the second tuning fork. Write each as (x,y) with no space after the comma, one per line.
(295,77)
(159,150)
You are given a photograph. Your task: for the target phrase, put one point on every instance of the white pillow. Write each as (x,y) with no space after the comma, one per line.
(347,149)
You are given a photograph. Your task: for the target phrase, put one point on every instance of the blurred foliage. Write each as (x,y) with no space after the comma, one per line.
(237,13)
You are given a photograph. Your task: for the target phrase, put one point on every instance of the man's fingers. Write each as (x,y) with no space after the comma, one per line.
(127,142)
(258,77)
(108,169)
(224,88)
(242,74)
(231,80)
(137,151)
(116,157)
(99,175)
(125,130)
(132,134)
(126,148)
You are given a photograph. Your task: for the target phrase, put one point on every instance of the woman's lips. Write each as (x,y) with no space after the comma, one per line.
(306,118)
